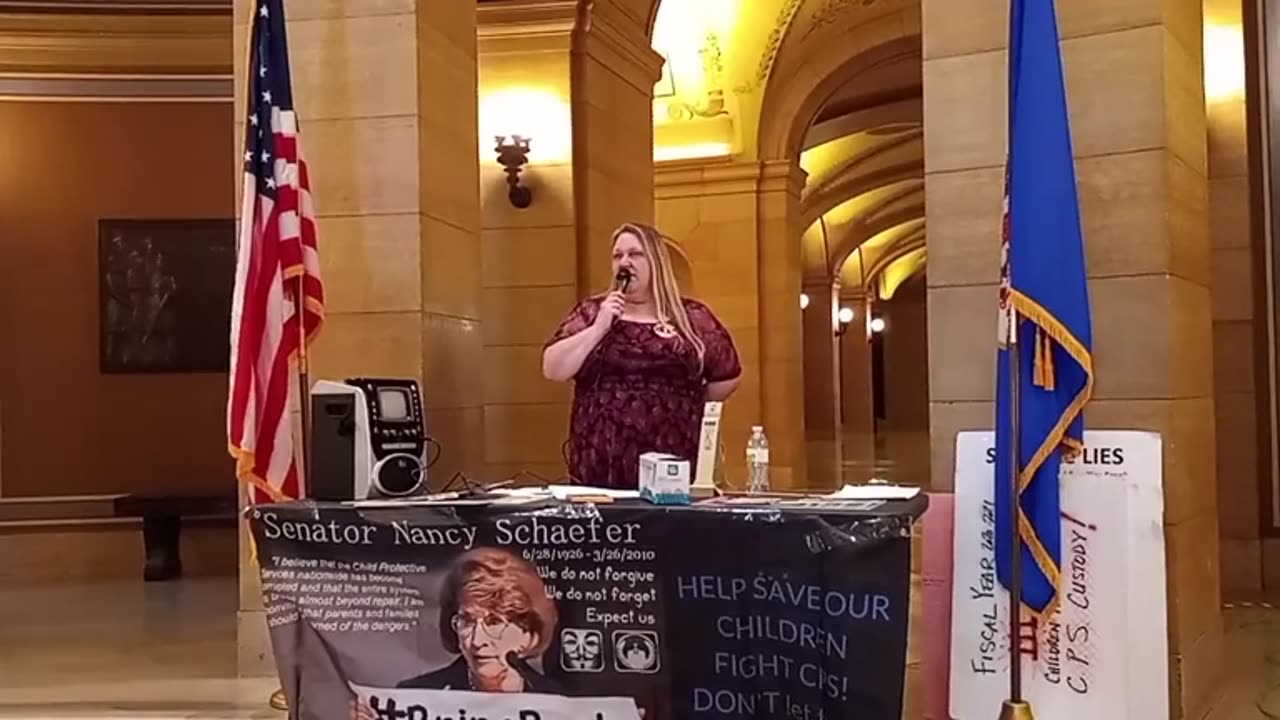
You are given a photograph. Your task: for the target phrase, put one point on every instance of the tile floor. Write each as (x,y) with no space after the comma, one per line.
(158,651)
(1251,687)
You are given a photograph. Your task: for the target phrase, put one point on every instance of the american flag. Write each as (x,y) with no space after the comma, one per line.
(278,305)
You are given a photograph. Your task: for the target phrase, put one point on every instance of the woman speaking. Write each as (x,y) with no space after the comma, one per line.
(643,360)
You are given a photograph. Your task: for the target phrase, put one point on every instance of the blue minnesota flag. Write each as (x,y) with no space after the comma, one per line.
(1044,305)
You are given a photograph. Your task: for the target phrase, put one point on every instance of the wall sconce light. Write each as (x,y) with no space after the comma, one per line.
(1224,66)
(804,300)
(513,155)
(844,316)
(877,325)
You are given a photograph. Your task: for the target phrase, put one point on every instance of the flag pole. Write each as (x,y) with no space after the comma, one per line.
(304,385)
(279,701)
(1015,708)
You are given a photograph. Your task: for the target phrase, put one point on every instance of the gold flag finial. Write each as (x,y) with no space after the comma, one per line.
(1016,711)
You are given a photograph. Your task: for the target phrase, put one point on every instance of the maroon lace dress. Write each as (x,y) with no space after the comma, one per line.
(639,392)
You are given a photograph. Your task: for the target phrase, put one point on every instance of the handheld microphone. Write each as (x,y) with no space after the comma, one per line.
(623,279)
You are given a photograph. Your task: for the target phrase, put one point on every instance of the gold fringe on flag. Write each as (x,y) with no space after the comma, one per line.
(1037,365)
(1050,374)
(1042,370)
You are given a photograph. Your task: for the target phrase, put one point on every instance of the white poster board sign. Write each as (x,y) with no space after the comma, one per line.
(1103,654)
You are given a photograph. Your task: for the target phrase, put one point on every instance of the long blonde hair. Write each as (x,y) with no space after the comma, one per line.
(667,300)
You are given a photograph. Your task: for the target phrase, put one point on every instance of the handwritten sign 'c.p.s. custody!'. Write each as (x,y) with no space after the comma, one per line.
(1103,653)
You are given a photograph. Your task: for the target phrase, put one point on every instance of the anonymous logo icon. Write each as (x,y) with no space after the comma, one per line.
(581,650)
(635,651)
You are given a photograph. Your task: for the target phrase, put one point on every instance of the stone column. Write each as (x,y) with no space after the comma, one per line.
(614,71)
(737,224)
(1142,177)
(857,397)
(902,434)
(395,183)
(822,402)
(580,86)
(448,233)
(782,357)
(1235,309)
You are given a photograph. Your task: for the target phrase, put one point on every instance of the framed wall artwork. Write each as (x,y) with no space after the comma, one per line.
(165,295)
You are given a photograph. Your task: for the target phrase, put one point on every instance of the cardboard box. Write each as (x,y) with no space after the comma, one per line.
(664,479)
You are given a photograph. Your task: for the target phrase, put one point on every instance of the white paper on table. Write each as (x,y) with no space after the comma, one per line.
(874,492)
(564,492)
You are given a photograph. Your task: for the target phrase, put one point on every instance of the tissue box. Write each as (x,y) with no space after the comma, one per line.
(664,479)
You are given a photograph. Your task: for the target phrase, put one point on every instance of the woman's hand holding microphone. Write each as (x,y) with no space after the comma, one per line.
(610,309)
(562,361)
(615,302)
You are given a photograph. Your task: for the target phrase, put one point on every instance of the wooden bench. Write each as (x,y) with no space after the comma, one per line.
(162,517)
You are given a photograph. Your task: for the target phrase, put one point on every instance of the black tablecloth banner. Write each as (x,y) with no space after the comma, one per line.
(689,613)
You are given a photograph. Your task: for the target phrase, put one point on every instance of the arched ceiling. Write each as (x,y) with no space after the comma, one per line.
(724,56)
(838,82)
(863,202)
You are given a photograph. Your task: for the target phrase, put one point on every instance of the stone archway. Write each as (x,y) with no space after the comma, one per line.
(738,211)
(798,88)
(843,99)
(651,15)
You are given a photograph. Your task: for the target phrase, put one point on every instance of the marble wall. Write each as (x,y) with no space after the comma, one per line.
(530,259)
(1235,354)
(582,92)
(737,225)
(1144,194)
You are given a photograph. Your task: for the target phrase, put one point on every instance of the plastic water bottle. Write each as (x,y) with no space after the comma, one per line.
(757,462)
